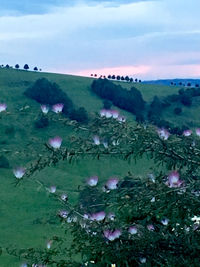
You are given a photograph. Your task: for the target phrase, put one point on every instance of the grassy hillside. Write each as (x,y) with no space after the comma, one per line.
(28,211)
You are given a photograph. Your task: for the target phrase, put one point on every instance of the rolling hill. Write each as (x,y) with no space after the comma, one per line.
(28,211)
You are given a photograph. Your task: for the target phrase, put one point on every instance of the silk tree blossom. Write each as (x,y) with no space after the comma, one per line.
(108,114)
(112,235)
(19,172)
(165,221)
(105,144)
(121,119)
(153,199)
(58,108)
(150,227)
(163,133)
(187,132)
(63,214)
(45,109)
(24,265)
(52,189)
(198,131)
(99,216)
(115,114)
(92,181)
(112,183)
(64,197)
(115,143)
(55,142)
(96,140)
(102,112)
(49,243)
(133,230)
(152,177)
(143,260)
(3,107)
(174,180)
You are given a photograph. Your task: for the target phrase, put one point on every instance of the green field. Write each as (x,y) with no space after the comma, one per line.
(28,212)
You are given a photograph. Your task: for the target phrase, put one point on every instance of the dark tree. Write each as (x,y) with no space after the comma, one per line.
(136,80)
(109,76)
(35,69)
(113,77)
(26,67)
(180,84)
(17,66)
(79,115)
(188,84)
(118,77)
(140,81)
(172,83)
(122,78)
(127,78)
(91,75)
(7,66)
(131,80)
(95,75)
(196,85)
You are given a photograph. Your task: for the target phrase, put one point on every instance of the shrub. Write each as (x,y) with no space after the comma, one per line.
(107,104)
(79,115)
(49,93)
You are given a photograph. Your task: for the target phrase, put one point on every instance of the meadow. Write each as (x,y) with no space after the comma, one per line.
(28,211)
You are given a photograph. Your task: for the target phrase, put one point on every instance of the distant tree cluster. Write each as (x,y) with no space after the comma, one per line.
(117,77)
(131,101)
(186,84)
(49,93)
(17,66)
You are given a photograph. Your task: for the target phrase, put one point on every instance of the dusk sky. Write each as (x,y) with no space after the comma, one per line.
(143,39)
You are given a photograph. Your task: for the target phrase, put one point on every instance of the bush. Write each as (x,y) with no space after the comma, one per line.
(10,130)
(186,100)
(79,115)
(49,93)
(4,163)
(107,104)
(177,111)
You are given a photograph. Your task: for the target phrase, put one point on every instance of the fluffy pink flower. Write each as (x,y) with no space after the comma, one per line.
(96,140)
(63,214)
(45,109)
(92,181)
(3,107)
(133,230)
(198,131)
(174,179)
(57,108)
(121,119)
(102,112)
(112,183)
(115,114)
(165,221)
(19,172)
(108,114)
(112,235)
(99,216)
(150,227)
(111,216)
(55,142)
(64,197)
(187,132)
(163,134)
(52,189)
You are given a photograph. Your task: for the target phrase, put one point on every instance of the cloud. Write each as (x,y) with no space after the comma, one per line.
(139,36)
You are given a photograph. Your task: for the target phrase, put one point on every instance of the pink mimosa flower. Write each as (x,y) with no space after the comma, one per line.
(52,189)
(121,119)
(112,183)
(174,179)
(64,197)
(99,216)
(55,142)
(3,107)
(19,172)
(112,235)
(187,132)
(45,109)
(63,214)
(133,230)
(57,108)
(102,112)
(150,227)
(105,144)
(198,131)
(111,216)
(108,114)
(163,134)
(96,140)
(92,181)
(115,114)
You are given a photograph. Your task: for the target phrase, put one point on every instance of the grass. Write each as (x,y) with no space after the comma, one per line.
(28,211)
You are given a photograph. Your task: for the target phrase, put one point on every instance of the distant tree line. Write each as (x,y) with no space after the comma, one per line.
(46,92)
(130,100)
(117,77)
(17,66)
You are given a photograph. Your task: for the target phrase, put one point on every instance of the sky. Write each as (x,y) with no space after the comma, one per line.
(147,39)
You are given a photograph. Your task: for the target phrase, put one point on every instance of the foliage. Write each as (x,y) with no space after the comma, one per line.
(107,104)
(177,111)
(4,163)
(41,122)
(80,115)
